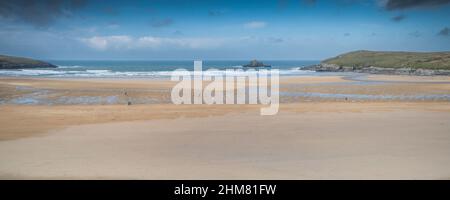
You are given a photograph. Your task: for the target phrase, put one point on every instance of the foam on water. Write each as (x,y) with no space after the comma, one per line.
(69,67)
(110,73)
(150,69)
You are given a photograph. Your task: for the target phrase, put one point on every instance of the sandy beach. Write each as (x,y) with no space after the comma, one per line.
(328,127)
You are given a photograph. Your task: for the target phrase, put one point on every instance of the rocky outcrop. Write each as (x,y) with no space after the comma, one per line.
(255,63)
(388,62)
(325,67)
(11,62)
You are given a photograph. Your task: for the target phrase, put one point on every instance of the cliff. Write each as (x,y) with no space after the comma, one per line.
(382,62)
(12,62)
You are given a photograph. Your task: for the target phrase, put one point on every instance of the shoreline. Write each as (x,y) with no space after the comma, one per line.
(324,67)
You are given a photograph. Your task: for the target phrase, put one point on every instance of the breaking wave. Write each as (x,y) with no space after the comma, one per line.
(67,71)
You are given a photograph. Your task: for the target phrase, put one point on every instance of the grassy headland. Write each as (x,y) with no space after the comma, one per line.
(12,62)
(387,59)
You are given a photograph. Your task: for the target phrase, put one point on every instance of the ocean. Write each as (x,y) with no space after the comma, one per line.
(148,69)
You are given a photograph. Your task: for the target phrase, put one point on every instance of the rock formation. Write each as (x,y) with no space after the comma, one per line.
(256,63)
(11,62)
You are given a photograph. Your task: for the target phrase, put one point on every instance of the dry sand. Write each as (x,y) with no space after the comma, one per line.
(314,140)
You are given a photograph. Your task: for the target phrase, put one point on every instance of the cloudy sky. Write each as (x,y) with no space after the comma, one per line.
(220,30)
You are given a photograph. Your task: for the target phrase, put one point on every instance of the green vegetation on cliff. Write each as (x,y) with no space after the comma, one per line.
(12,62)
(386,59)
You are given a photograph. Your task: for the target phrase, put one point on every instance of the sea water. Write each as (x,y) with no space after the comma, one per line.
(149,69)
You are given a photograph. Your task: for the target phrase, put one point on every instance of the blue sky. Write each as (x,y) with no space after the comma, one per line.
(219,30)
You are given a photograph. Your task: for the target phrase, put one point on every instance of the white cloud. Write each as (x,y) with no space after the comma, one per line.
(255,24)
(108,42)
(148,41)
(128,42)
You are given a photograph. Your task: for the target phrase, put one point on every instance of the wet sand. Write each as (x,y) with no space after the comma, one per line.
(324,139)
(404,78)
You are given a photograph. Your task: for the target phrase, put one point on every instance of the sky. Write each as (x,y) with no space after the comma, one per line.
(219,29)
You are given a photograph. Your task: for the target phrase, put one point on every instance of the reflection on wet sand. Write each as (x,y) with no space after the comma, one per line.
(293,89)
